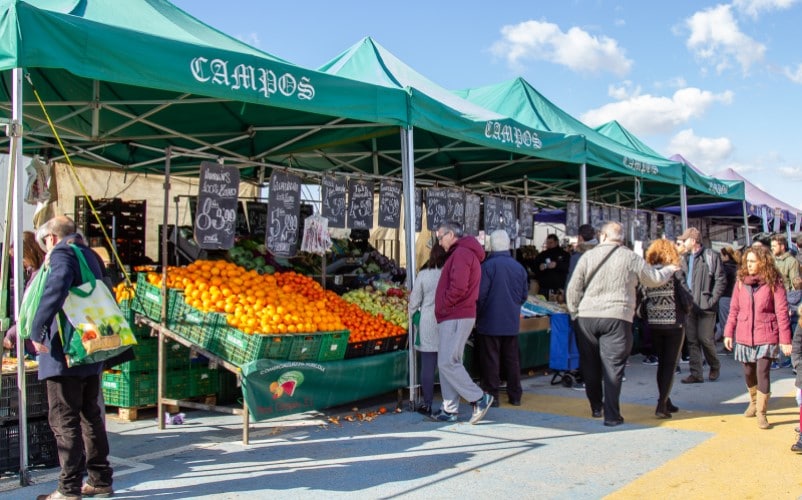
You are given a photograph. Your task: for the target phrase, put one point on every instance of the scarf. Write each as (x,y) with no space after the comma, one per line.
(755,281)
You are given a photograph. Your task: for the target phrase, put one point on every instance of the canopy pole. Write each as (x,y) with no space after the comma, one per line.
(683,204)
(15,132)
(583,194)
(160,376)
(746,224)
(408,174)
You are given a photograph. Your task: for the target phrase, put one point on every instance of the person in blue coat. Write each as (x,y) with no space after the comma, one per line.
(72,392)
(502,290)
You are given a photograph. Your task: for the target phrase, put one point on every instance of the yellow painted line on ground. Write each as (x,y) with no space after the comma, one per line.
(738,461)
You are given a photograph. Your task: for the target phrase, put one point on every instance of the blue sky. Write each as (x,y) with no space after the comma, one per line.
(719,83)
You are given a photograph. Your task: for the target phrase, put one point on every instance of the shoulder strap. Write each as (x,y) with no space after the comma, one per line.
(593,274)
(86,274)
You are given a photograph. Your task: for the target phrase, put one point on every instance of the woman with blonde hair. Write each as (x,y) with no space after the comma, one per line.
(758,326)
(665,309)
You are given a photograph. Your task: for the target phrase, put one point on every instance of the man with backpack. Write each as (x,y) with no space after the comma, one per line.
(707,281)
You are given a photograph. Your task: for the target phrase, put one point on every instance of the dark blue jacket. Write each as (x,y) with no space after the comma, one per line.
(502,290)
(65,273)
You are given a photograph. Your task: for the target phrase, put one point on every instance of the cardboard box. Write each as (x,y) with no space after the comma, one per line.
(534,324)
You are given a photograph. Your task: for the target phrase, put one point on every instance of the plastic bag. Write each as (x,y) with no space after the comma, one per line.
(316,237)
(30,301)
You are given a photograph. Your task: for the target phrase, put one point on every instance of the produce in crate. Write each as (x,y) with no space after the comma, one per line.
(390,304)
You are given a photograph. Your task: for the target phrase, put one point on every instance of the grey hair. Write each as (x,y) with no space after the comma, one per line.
(614,231)
(454,227)
(499,241)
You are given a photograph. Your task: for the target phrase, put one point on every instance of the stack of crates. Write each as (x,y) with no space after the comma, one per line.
(42,448)
(125,220)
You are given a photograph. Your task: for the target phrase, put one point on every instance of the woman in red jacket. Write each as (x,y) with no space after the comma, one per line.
(758,321)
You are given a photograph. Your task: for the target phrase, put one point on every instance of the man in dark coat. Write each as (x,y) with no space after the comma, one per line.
(551,267)
(72,392)
(498,318)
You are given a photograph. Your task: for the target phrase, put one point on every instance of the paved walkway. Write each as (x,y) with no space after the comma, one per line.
(547,448)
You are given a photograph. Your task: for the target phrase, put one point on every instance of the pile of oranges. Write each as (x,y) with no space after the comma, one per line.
(271,303)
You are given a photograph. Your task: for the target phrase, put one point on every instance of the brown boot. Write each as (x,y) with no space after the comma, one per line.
(762,406)
(751,410)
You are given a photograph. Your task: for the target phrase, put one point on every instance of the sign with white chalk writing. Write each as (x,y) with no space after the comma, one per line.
(436,207)
(572,218)
(333,195)
(283,212)
(526,217)
(473,209)
(492,214)
(360,204)
(455,208)
(389,204)
(418,210)
(257,218)
(509,220)
(216,213)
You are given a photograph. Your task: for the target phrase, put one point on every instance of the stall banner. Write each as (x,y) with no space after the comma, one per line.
(273,388)
(778,215)
(526,217)
(216,212)
(493,214)
(572,218)
(333,191)
(284,211)
(360,204)
(764,215)
(436,207)
(473,211)
(418,210)
(455,208)
(389,204)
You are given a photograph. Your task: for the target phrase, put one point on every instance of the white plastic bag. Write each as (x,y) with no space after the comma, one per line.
(316,237)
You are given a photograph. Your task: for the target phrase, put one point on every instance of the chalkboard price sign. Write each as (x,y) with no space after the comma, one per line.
(418,209)
(455,211)
(572,218)
(436,207)
(390,204)
(216,212)
(508,218)
(242,221)
(360,204)
(257,218)
(283,214)
(333,194)
(526,216)
(596,216)
(492,214)
(473,208)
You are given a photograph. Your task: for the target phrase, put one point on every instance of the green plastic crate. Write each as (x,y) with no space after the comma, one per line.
(305,346)
(333,346)
(129,389)
(239,348)
(148,299)
(203,381)
(193,324)
(147,356)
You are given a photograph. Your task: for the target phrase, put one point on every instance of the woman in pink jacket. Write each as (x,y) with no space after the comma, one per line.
(758,321)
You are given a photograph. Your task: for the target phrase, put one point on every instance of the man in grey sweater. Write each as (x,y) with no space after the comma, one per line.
(601,296)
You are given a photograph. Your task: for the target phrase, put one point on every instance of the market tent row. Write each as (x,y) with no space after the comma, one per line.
(643,177)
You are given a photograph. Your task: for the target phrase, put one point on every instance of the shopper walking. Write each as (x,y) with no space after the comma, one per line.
(421,299)
(502,291)
(455,310)
(666,309)
(707,282)
(602,295)
(758,327)
(72,392)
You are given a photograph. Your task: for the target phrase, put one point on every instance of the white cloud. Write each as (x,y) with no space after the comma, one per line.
(716,38)
(754,8)
(251,39)
(707,153)
(791,173)
(648,114)
(795,75)
(575,49)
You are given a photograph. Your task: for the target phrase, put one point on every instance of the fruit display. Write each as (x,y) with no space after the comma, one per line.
(387,302)
(283,302)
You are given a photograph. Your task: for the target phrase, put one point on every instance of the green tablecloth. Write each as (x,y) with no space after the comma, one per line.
(273,388)
(533,346)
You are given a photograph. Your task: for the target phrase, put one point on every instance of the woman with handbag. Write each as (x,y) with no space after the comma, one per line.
(421,300)
(758,326)
(665,308)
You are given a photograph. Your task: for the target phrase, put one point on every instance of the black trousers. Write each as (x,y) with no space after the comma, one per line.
(428,367)
(74,416)
(604,345)
(701,331)
(500,354)
(667,345)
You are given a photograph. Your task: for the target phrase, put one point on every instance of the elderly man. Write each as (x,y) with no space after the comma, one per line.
(72,392)
(601,295)
(498,318)
(455,311)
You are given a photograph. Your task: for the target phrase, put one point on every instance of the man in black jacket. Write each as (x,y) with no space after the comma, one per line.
(707,281)
(551,267)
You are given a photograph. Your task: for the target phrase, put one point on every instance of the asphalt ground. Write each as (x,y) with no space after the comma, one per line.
(549,447)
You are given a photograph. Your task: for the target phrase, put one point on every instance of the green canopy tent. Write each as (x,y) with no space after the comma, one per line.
(616,173)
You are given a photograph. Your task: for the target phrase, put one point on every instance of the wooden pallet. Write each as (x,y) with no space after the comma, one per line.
(132,414)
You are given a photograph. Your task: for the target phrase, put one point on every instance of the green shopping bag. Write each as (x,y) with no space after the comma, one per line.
(416,326)
(97,328)
(30,301)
